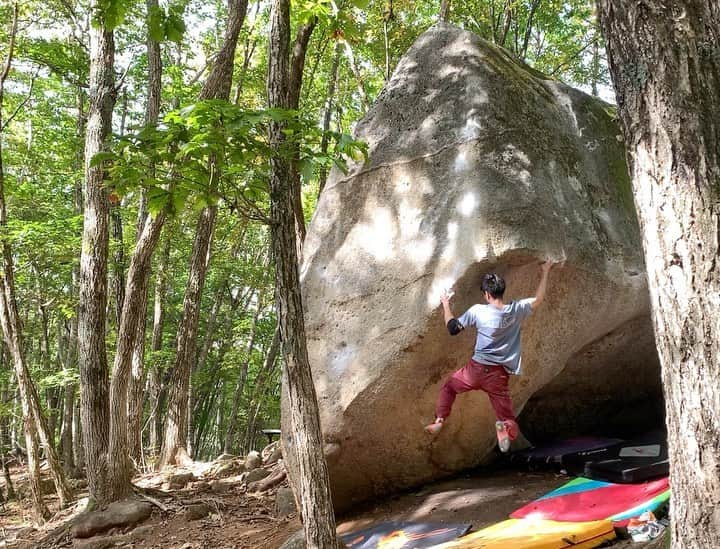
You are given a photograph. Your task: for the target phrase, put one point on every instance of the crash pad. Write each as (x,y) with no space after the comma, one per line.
(637,460)
(553,454)
(404,535)
(537,534)
(585,499)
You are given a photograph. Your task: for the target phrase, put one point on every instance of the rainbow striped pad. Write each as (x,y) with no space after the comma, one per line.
(537,534)
(583,499)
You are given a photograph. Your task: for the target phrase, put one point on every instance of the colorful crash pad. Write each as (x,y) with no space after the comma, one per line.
(537,534)
(404,535)
(633,461)
(553,454)
(584,499)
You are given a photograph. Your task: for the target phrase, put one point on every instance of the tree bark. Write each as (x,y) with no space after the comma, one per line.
(665,63)
(161,286)
(94,403)
(217,86)
(118,264)
(176,426)
(306,438)
(78,447)
(120,467)
(445,10)
(297,66)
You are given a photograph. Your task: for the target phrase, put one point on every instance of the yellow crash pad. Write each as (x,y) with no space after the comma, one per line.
(536,534)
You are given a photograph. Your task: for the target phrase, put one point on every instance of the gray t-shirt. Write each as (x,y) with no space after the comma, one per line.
(498,332)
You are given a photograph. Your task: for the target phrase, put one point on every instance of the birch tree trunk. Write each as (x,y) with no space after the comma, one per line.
(664,59)
(314,485)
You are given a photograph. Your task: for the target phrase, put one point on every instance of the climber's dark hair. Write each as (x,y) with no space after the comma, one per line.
(494,285)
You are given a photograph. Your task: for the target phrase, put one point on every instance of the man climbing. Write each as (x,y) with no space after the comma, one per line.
(497,352)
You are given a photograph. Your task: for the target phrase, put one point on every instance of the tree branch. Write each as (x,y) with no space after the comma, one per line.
(24,102)
(11,48)
(577,54)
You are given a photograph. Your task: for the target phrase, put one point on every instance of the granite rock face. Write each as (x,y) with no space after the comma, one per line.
(476,163)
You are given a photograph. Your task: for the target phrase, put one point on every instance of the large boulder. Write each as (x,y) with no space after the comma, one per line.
(476,163)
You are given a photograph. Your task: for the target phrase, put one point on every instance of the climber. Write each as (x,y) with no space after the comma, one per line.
(497,352)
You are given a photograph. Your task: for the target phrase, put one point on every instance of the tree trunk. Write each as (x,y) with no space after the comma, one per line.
(4,439)
(70,429)
(120,467)
(66,438)
(329,97)
(78,447)
(217,86)
(118,265)
(356,72)
(294,88)
(137,375)
(665,65)
(161,285)
(176,427)
(445,10)
(240,385)
(94,403)
(305,438)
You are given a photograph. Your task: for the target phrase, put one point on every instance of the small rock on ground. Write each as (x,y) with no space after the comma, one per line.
(117,514)
(296,541)
(284,502)
(253,461)
(256,474)
(179,480)
(197,511)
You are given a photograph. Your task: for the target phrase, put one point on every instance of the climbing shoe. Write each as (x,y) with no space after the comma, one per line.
(434,428)
(503,436)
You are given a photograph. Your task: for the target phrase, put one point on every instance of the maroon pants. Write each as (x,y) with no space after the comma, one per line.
(475,376)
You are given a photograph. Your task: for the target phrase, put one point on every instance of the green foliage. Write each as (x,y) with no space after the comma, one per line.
(166,24)
(214,148)
(111,13)
(66,59)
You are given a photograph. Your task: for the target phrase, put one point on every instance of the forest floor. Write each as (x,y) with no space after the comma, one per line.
(234,518)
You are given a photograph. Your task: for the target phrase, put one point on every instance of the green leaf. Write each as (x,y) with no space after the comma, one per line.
(156,24)
(101,157)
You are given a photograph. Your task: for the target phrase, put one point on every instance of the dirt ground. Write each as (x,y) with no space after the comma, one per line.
(247,521)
